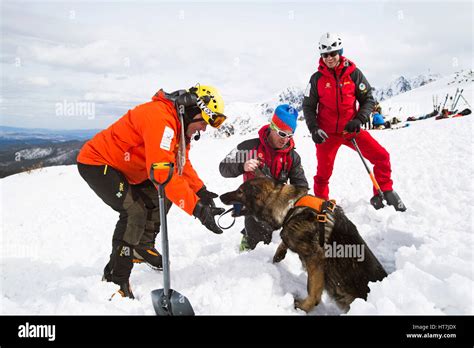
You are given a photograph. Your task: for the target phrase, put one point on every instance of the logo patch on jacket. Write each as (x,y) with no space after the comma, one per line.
(328,85)
(362,87)
(167,138)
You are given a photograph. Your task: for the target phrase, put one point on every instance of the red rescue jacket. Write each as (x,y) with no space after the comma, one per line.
(278,161)
(336,96)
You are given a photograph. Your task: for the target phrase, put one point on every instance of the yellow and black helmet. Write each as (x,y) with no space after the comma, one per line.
(211,104)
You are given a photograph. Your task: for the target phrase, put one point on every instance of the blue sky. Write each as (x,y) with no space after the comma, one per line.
(112,55)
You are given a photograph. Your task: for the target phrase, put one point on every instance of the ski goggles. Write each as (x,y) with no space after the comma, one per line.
(217,120)
(214,119)
(332,54)
(280,133)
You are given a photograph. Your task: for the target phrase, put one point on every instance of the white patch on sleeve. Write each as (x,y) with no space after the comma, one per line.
(307,90)
(166,139)
(232,155)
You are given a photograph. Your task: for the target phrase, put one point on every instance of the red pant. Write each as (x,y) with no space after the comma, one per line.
(370,149)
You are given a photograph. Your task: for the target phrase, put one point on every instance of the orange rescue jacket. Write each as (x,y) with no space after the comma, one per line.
(147,134)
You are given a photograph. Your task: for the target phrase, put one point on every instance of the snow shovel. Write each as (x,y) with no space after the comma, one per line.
(167,301)
(372,177)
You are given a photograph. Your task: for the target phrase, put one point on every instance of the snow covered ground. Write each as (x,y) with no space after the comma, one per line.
(56,236)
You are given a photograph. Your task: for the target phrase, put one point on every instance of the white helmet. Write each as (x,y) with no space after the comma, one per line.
(330,42)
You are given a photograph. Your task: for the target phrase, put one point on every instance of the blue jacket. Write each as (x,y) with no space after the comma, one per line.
(378,120)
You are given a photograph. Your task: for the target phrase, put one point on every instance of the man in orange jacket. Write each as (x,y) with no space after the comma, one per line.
(116,164)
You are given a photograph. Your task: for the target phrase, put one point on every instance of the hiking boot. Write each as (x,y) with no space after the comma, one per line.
(393,199)
(244,244)
(377,202)
(124,291)
(148,255)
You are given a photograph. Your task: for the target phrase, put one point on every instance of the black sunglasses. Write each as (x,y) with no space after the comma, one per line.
(332,54)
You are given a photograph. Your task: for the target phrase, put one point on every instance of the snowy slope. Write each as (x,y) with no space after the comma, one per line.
(419,101)
(56,235)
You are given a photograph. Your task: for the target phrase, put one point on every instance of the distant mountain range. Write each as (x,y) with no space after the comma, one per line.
(43,134)
(403,84)
(24,149)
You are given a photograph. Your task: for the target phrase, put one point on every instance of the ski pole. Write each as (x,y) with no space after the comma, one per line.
(454,99)
(445,99)
(457,100)
(372,177)
(465,101)
(459,96)
(438,106)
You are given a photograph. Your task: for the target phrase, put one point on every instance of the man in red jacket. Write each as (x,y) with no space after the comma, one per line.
(330,110)
(273,152)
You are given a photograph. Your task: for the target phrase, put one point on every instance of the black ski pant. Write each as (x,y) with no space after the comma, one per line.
(256,232)
(139,215)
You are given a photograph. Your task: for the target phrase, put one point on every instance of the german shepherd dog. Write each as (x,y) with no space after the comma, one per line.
(344,278)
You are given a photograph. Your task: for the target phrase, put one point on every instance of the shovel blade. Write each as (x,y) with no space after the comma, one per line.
(176,304)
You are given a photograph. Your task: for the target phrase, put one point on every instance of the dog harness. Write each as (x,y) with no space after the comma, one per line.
(322,208)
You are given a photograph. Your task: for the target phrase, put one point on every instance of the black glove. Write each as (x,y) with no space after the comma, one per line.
(205,213)
(319,136)
(207,197)
(353,125)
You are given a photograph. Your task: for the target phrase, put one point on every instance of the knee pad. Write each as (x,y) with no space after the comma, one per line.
(136,215)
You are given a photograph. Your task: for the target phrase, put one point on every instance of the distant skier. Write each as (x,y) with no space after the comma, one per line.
(116,164)
(274,153)
(330,108)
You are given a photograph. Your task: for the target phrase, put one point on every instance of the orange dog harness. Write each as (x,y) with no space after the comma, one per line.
(322,207)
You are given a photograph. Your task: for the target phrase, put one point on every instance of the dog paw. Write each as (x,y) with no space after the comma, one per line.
(277,258)
(279,255)
(304,305)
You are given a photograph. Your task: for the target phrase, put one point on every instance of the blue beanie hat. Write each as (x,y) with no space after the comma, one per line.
(285,117)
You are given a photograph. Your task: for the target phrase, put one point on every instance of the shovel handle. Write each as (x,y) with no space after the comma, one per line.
(163,225)
(372,177)
(161,165)
(374,182)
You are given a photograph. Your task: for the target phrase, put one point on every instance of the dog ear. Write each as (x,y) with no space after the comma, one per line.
(293,191)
